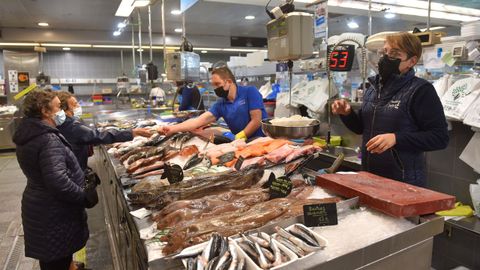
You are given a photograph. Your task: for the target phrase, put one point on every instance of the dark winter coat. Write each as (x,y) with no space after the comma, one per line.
(82,137)
(410,108)
(53,213)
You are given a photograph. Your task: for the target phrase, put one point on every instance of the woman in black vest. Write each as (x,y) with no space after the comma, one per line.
(401,115)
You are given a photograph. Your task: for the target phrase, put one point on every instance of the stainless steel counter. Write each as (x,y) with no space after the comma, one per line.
(408,250)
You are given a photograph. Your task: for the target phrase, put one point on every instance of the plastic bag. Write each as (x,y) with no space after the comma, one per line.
(313,95)
(460,96)
(471,153)
(265,90)
(475,194)
(472,117)
(441,85)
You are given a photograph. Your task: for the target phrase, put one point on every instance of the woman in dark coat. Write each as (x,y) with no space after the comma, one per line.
(53,203)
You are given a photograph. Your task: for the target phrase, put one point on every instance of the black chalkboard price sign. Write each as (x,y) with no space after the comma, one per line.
(316,215)
(280,187)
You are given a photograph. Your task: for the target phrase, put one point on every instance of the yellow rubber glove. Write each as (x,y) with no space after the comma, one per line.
(241,135)
(459,210)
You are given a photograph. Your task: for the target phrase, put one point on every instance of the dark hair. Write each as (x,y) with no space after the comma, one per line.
(224,73)
(64,96)
(36,101)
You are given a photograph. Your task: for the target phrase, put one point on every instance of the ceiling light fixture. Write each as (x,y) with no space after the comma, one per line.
(66,45)
(178,30)
(121,25)
(352,25)
(176,12)
(389,15)
(250,17)
(43,24)
(204,51)
(125,8)
(18,44)
(141,3)
(140,50)
(117,33)
(410,8)
(66,48)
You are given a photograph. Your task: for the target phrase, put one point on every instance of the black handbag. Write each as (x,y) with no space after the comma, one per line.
(91,182)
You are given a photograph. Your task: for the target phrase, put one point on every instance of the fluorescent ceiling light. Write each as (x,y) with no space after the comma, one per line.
(121,25)
(66,48)
(141,3)
(352,25)
(125,8)
(43,24)
(178,30)
(432,28)
(389,15)
(113,46)
(250,17)
(204,51)
(412,8)
(19,44)
(117,33)
(176,12)
(66,45)
(140,50)
(240,50)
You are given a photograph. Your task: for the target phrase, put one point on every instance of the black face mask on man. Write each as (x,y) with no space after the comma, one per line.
(388,67)
(220,92)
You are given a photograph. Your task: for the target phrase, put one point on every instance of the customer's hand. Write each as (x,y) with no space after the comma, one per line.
(341,106)
(144,132)
(381,143)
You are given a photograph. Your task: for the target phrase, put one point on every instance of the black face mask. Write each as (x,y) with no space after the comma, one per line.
(387,67)
(220,92)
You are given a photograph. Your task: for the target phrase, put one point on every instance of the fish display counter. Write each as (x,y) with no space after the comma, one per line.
(182,202)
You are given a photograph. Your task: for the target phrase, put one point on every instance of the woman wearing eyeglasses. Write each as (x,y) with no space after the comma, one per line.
(401,116)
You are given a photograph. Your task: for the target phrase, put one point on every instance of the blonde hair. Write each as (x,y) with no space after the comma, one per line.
(406,42)
(224,73)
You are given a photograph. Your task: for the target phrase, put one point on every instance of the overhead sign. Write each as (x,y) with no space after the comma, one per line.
(186,4)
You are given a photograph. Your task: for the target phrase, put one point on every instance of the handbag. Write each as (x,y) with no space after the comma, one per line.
(91,182)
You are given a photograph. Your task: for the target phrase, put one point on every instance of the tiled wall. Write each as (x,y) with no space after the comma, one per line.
(446,172)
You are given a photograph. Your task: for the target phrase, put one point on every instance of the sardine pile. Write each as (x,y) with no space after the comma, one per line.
(263,251)
(298,239)
(218,254)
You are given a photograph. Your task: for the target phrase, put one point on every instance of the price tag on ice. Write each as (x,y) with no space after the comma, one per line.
(316,215)
(173,173)
(279,187)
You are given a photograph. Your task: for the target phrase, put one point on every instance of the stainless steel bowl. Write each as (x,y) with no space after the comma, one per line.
(290,132)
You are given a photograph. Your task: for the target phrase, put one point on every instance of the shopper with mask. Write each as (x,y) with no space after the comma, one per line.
(53,203)
(401,116)
(82,137)
(240,106)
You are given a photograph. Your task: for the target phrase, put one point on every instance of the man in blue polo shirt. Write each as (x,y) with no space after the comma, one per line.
(240,106)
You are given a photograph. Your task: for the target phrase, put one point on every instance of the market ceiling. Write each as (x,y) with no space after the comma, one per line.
(209,23)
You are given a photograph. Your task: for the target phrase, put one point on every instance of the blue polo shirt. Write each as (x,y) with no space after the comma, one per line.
(237,113)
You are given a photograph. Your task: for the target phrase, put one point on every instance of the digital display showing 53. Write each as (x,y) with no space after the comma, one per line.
(341,59)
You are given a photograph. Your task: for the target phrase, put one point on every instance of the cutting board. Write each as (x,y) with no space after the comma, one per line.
(386,195)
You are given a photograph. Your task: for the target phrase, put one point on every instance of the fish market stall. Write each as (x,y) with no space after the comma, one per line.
(182,202)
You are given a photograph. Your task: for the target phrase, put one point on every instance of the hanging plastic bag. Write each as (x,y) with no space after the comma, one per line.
(472,117)
(471,153)
(265,90)
(475,194)
(317,95)
(457,100)
(441,85)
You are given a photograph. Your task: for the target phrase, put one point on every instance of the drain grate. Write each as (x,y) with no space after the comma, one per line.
(16,252)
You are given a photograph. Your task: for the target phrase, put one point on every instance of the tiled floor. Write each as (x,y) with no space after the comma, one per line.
(12,184)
